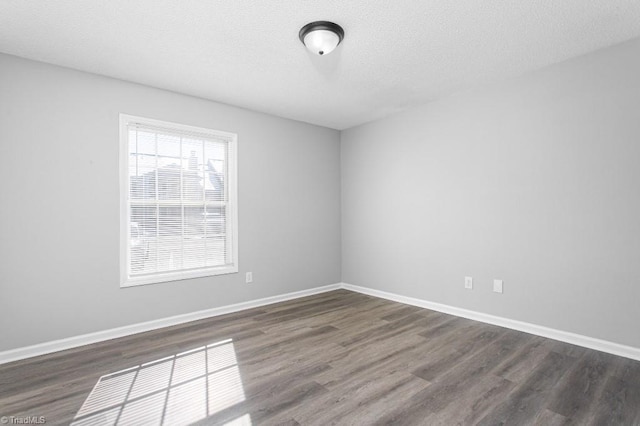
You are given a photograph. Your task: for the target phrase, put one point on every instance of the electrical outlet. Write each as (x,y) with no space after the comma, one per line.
(497,286)
(249,277)
(468,283)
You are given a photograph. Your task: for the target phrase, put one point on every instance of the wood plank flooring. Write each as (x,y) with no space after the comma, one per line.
(334,358)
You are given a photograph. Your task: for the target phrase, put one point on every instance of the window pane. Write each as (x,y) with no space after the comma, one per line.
(195,253)
(169,165)
(215,160)
(193,222)
(169,253)
(192,164)
(142,142)
(142,180)
(170,221)
(216,251)
(141,239)
(215,220)
(168,149)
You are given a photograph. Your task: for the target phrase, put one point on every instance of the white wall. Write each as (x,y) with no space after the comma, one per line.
(535,181)
(59,216)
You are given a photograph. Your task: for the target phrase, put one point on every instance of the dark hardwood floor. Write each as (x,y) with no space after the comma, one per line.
(334,358)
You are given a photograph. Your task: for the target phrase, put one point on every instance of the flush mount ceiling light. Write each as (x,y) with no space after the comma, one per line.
(321,37)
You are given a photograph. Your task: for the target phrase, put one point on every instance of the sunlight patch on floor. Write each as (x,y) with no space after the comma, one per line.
(176,390)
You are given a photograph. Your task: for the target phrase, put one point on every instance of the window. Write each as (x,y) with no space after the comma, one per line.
(178,201)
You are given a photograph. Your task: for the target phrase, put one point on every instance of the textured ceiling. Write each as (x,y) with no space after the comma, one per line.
(247,52)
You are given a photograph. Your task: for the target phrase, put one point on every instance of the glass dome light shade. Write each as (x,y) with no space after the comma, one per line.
(321,42)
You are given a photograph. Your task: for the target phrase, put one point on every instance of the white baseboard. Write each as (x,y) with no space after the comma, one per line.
(563,336)
(86,339)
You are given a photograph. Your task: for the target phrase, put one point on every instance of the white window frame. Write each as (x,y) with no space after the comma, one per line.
(231,206)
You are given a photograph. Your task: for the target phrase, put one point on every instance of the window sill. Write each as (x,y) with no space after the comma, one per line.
(177,276)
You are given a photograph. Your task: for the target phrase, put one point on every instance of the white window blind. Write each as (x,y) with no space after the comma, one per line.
(178,189)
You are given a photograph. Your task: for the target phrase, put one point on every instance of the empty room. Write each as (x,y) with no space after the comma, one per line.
(320,212)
